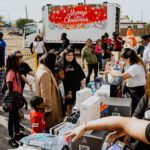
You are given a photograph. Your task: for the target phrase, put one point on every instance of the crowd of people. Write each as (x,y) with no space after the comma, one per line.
(59,76)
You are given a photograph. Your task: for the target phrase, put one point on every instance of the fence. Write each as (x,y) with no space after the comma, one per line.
(28,56)
(137,32)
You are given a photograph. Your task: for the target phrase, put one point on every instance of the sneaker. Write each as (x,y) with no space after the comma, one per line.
(13,143)
(19,136)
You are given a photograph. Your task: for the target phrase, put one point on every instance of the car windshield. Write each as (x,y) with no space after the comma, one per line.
(30,29)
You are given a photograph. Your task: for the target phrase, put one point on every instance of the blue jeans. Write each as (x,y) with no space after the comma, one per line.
(99,57)
(2,76)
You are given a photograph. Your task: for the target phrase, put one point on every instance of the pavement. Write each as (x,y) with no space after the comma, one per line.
(4,145)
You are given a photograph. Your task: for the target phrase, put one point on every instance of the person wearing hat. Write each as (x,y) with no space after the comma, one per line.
(2,61)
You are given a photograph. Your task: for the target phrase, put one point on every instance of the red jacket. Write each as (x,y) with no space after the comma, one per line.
(37,121)
(98,50)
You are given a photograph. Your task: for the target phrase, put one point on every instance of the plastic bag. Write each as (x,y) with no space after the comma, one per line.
(45,141)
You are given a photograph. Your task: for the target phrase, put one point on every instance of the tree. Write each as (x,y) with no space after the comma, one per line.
(2,22)
(20,23)
(1,18)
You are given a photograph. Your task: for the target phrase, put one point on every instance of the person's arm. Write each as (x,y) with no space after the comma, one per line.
(82,84)
(32,73)
(146,56)
(119,39)
(81,76)
(133,127)
(26,81)
(82,57)
(10,87)
(45,51)
(9,81)
(125,75)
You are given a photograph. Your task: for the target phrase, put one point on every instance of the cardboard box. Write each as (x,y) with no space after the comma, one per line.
(104,90)
(89,109)
(62,128)
(81,96)
(91,141)
(119,106)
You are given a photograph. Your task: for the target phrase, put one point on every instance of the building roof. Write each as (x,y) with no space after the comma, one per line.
(133,23)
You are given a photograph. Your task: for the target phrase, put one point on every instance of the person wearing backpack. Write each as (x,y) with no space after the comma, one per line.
(2,61)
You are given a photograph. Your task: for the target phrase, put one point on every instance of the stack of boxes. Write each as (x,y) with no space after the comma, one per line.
(90,110)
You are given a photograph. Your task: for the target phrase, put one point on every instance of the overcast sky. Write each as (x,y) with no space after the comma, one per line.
(14,9)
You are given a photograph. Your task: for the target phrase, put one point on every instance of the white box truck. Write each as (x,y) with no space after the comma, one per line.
(80,22)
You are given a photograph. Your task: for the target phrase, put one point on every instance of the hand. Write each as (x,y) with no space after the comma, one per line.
(69,95)
(126,139)
(76,133)
(112,137)
(57,52)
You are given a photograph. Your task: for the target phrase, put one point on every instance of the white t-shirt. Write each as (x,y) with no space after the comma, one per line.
(146,54)
(38,47)
(138,76)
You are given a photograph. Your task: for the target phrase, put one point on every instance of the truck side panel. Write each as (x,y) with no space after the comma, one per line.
(80,35)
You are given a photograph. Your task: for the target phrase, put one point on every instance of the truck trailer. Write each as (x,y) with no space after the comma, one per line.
(79,22)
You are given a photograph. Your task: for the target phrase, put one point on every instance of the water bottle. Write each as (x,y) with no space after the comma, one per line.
(97,82)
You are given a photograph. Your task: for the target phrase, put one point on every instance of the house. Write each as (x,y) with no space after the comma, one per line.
(125,23)
(137,26)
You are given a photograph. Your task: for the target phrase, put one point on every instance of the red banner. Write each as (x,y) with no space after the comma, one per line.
(77,16)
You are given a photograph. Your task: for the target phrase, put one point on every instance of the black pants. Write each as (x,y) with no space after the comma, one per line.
(136,94)
(13,122)
(90,69)
(38,57)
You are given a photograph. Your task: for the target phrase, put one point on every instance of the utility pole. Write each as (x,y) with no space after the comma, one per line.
(26,11)
(9,21)
(142,16)
(84,1)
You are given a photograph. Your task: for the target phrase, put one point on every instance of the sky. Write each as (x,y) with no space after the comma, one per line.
(137,10)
